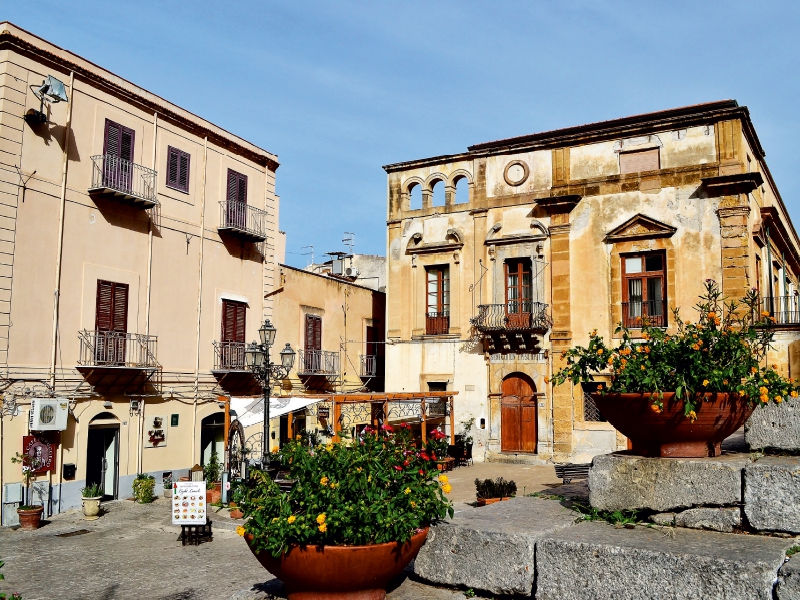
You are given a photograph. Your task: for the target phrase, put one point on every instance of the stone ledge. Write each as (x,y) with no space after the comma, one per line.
(772,494)
(491,548)
(788,587)
(774,426)
(596,560)
(626,482)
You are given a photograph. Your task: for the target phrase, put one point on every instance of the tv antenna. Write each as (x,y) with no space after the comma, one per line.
(350,240)
(307,253)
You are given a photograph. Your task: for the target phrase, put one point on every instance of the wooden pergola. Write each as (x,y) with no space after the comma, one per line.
(423,398)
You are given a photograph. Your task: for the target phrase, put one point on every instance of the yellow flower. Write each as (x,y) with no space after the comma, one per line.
(329,447)
(323,527)
(333,485)
(594,333)
(763,391)
(324,481)
(275,449)
(692,416)
(742,393)
(369,479)
(599,352)
(413,504)
(407,491)
(359,469)
(642,367)
(778,399)
(240,530)
(291,519)
(447,488)
(443,478)
(321,518)
(611,360)
(638,349)
(705,382)
(764,313)
(794,394)
(298,437)
(764,399)
(655,408)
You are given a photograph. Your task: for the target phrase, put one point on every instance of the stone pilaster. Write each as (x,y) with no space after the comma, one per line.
(735,247)
(561,334)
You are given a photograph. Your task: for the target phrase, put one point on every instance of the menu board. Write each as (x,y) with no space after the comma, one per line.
(189,503)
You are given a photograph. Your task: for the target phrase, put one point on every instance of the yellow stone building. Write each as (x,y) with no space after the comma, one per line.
(539,239)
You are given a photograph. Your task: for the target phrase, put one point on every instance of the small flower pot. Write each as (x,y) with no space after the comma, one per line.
(485,501)
(168,492)
(30,518)
(216,493)
(91,508)
(237,514)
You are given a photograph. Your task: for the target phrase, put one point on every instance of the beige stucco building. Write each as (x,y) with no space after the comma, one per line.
(567,231)
(136,250)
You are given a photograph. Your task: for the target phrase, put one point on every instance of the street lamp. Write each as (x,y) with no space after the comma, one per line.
(256,357)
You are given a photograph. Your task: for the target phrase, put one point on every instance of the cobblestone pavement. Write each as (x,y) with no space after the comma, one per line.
(132,552)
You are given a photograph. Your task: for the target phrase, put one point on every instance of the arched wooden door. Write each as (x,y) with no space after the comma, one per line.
(518,414)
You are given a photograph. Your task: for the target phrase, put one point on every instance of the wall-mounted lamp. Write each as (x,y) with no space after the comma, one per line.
(108,405)
(51,90)
(221,404)
(483,423)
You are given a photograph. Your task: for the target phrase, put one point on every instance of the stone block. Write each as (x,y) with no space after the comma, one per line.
(714,519)
(774,426)
(667,518)
(788,587)
(772,494)
(623,481)
(599,562)
(491,548)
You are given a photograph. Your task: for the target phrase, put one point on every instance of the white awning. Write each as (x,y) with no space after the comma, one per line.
(250,411)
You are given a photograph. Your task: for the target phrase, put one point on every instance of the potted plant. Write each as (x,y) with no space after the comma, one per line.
(30,515)
(355,516)
(680,394)
(144,488)
(212,471)
(489,492)
(91,496)
(437,445)
(167,484)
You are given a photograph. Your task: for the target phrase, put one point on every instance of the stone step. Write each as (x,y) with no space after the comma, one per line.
(596,560)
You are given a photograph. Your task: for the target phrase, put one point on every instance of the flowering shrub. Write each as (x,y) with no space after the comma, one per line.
(722,352)
(376,489)
(437,444)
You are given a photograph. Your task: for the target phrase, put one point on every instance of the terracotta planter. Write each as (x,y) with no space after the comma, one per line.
(30,519)
(91,508)
(340,572)
(209,496)
(670,433)
(216,493)
(485,501)
(237,514)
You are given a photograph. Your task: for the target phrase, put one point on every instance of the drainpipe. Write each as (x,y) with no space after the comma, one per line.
(60,252)
(199,298)
(769,262)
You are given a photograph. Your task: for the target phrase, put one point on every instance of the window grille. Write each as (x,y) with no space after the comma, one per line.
(590,410)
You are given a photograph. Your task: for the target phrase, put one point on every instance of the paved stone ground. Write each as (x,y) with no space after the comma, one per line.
(132,552)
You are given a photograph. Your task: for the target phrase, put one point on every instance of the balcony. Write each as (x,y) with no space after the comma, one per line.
(636,314)
(317,369)
(369,365)
(120,180)
(243,221)
(784,309)
(437,323)
(117,362)
(230,371)
(513,317)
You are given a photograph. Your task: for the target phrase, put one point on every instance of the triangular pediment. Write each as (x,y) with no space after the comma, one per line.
(640,227)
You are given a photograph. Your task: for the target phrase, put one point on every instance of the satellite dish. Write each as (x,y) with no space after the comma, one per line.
(51,89)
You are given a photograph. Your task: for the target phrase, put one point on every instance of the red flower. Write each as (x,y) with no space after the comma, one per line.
(387,427)
(424,456)
(421,472)
(405,426)
(398,467)
(405,463)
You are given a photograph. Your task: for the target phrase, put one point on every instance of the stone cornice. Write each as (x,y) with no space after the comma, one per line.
(728,185)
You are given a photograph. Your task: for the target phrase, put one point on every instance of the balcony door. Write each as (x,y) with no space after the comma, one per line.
(312,357)
(518,414)
(118,156)
(437,316)
(233,331)
(111,323)
(644,290)
(519,293)
(236,213)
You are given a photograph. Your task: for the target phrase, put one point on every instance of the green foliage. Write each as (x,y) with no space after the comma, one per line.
(212,471)
(143,488)
(437,444)
(370,491)
(470,593)
(722,352)
(499,488)
(3,595)
(616,517)
(466,430)
(789,553)
(93,490)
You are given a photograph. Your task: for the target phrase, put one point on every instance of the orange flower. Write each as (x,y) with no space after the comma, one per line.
(600,352)
(655,408)
(793,394)
(712,315)
(692,416)
(778,399)
(764,399)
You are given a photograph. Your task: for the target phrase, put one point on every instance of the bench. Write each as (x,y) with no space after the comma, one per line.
(569,471)
(195,533)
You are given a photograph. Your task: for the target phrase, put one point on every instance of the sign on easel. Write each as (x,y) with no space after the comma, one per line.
(189,503)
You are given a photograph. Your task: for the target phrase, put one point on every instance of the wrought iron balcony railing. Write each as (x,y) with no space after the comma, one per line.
(117,349)
(243,220)
(124,180)
(650,312)
(229,356)
(317,362)
(369,365)
(437,323)
(519,316)
(784,309)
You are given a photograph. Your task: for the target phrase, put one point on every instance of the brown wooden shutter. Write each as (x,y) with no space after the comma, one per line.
(172,167)
(177,169)
(639,160)
(118,140)
(233,321)
(183,177)
(111,312)
(239,330)
(121,307)
(237,187)
(313,332)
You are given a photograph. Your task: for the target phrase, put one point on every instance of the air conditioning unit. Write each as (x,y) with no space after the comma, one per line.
(351,272)
(48,414)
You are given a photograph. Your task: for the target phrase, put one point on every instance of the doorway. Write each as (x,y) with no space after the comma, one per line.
(212,437)
(518,414)
(102,454)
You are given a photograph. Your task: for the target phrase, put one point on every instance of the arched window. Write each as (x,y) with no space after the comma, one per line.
(462,190)
(415,196)
(438,193)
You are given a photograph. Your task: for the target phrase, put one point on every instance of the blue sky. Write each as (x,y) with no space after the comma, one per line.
(338,89)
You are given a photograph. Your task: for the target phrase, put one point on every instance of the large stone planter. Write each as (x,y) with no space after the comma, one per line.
(91,508)
(30,518)
(340,572)
(670,433)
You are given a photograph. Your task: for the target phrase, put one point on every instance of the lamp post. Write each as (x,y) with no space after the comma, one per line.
(257,359)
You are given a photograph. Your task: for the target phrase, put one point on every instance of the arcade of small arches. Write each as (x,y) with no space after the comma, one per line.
(437,190)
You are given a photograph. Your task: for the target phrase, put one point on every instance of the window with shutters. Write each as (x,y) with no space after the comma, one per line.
(232,342)
(437,317)
(111,322)
(177,169)
(312,357)
(236,213)
(644,289)
(639,160)
(519,292)
(118,151)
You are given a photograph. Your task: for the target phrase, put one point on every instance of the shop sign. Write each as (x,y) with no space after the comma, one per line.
(189,503)
(155,432)
(323,412)
(41,451)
